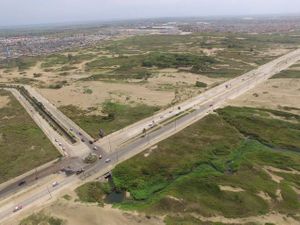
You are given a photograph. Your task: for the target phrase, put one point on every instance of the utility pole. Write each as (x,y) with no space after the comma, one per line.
(109,144)
(49,192)
(36,177)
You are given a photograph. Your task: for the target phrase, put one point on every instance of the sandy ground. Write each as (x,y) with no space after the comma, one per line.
(275,51)
(264,196)
(4,100)
(274,94)
(229,188)
(273,217)
(78,214)
(102,91)
(159,90)
(273,176)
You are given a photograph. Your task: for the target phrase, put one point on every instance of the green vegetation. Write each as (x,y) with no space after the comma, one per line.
(261,125)
(184,173)
(41,219)
(91,158)
(93,192)
(23,146)
(200,84)
(25,80)
(117,116)
(87,91)
(55,60)
(140,66)
(67,197)
(22,63)
(189,220)
(168,60)
(58,85)
(288,74)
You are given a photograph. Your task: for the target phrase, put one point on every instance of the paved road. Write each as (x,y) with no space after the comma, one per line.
(86,146)
(114,141)
(34,178)
(202,105)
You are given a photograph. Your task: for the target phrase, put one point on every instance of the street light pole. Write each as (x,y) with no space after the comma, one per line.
(109,144)
(49,192)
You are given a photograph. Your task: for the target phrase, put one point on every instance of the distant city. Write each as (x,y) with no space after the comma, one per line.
(45,40)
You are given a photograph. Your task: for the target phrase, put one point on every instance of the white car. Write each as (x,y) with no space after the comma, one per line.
(55,183)
(95,148)
(17,208)
(107,160)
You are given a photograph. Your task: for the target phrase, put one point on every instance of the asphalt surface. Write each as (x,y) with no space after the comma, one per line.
(202,105)
(31,179)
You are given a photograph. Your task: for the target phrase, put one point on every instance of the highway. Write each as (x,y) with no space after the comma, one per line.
(125,142)
(115,140)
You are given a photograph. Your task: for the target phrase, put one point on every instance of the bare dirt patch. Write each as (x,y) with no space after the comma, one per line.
(273,94)
(102,91)
(230,188)
(4,100)
(274,177)
(274,169)
(264,196)
(78,214)
(273,217)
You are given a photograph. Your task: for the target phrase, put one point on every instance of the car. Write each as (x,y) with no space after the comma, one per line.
(107,160)
(21,183)
(80,171)
(71,129)
(17,208)
(60,144)
(55,183)
(63,148)
(95,148)
(91,142)
(100,157)
(56,140)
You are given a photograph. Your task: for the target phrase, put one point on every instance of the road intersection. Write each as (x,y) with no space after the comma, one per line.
(132,140)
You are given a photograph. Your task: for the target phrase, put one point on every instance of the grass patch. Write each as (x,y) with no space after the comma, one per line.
(287,74)
(141,66)
(200,84)
(93,192)
(117,117)
(22,63)
(170,60)
(41,218)
(189,220)
(55,60)
(67,197)
(184,173)
(23,146)
(260,124)
(58,84)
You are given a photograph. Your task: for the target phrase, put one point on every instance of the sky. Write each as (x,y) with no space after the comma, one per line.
(26,12)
